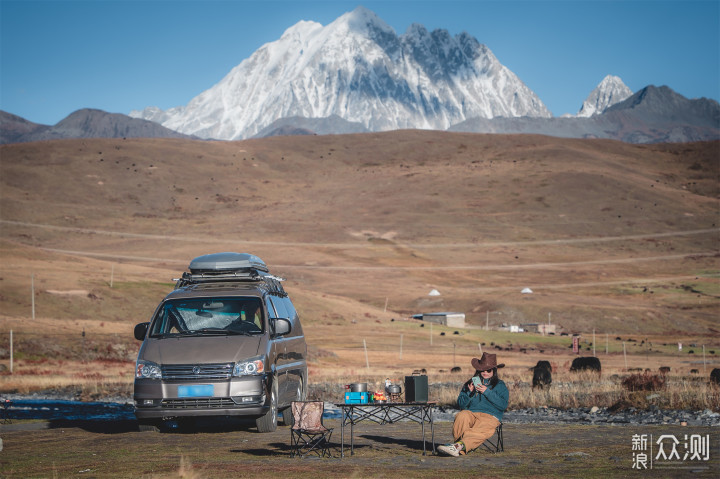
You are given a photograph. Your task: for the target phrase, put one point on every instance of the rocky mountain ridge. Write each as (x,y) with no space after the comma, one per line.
(358,69)
(652,115)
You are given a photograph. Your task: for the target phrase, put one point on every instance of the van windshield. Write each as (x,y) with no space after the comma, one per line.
(208,316)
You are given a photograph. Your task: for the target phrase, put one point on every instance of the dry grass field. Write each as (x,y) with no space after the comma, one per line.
(614,238)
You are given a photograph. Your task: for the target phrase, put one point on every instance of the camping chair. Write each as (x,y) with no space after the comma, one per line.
(494,445)
(308,434)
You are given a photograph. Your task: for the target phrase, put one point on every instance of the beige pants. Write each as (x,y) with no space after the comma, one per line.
(472,428)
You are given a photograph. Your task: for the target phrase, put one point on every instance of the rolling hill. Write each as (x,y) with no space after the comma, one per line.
(609,236)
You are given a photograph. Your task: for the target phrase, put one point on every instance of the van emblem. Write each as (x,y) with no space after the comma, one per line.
(196,369)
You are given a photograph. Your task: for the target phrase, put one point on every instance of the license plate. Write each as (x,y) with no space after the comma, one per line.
(197,390)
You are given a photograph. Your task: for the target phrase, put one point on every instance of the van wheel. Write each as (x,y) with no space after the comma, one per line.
(268,422)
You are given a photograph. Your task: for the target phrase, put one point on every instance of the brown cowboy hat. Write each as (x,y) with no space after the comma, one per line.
(486,362)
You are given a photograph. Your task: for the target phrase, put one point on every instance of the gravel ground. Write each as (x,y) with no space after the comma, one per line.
(65,406)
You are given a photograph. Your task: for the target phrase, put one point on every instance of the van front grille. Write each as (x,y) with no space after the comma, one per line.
(205,403)
(194,372)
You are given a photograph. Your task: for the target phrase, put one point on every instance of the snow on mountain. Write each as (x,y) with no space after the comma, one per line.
(610,91)
(358,69)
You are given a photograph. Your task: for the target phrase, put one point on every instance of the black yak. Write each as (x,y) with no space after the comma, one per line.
(542,375)
(715,376)
(585,363)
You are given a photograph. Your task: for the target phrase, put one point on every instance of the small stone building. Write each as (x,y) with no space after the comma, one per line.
(453,320)
(541,328)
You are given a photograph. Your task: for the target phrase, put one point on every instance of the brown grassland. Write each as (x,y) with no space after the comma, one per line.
(619,244)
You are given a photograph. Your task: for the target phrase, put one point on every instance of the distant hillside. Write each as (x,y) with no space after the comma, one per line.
(297,125)
(608,235)
(652,115)
(13,128)
(85,123)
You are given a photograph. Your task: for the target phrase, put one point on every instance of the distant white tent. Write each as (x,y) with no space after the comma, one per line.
(434,292)
(526,291)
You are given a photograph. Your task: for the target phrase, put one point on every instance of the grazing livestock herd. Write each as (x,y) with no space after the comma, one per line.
(542,371)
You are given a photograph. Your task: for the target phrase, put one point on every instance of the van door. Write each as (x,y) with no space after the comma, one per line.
(296,353)
(277,353)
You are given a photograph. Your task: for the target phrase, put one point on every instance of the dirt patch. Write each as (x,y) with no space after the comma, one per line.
(116,449)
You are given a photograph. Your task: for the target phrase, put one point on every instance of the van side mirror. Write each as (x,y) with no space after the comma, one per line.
(141,331)
(281,326)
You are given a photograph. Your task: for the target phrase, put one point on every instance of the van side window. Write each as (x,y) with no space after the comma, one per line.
(290,308)
(292,315)
(270,308)
(279,307)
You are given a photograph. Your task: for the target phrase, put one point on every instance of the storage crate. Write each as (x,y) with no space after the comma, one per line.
(356,398)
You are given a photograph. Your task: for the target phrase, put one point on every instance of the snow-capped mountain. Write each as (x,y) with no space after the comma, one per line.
(359,69)
(610,91)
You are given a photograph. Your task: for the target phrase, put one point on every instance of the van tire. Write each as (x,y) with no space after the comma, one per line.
(268,422)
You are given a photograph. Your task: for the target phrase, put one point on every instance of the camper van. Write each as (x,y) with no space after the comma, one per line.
(227,341)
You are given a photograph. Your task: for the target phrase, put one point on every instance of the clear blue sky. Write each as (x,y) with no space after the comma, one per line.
(119,55)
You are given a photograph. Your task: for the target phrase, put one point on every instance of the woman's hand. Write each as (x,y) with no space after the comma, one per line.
(482,388)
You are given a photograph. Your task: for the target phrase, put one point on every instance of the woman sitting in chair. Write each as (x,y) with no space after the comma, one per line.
(482,401)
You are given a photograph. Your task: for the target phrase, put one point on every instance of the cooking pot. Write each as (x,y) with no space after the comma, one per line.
(394,389)
(357,387)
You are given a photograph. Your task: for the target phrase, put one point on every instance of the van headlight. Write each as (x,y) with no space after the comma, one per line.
(250,367)
(147,370)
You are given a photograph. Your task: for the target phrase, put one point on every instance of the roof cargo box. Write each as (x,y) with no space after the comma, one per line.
(226,263)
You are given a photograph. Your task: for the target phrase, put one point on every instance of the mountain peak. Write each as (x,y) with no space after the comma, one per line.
(303,28)
(610,90)
(361,20)
(359,69)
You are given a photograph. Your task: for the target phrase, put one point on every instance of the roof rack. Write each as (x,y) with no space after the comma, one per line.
(229,267)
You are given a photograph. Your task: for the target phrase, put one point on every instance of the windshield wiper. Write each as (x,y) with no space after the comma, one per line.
(211,331)
(173,334)
(207,332)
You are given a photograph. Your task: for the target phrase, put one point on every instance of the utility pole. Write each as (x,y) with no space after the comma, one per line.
(32,293)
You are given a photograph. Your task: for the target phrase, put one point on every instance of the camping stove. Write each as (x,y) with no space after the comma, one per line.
(396,397)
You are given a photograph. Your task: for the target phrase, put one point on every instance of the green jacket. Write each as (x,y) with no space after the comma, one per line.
(494,401)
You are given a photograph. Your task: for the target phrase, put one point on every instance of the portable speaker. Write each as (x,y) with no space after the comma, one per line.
(416,389)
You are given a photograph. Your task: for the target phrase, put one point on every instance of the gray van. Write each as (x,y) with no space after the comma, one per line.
(227,341)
